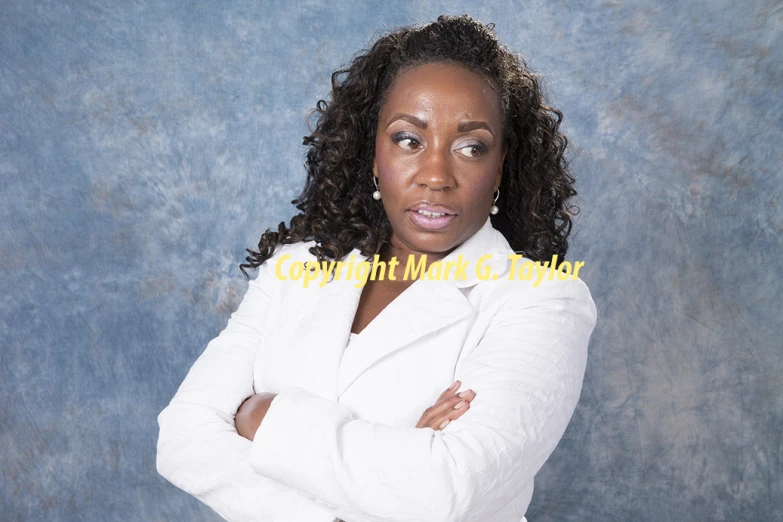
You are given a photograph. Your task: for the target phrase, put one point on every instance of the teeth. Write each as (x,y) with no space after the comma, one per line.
(431,214)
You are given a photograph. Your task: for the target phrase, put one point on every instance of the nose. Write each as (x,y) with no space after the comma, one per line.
(436,170)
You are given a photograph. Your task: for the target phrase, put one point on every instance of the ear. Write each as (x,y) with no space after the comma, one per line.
(374,168)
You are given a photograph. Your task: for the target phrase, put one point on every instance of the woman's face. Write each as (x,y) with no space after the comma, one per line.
(438,157)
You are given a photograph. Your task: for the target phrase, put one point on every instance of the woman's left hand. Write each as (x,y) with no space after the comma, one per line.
(251,413)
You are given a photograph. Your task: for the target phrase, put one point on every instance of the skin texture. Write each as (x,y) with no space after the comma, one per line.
(438,164)
(451,405)
(251,413)
(424,156)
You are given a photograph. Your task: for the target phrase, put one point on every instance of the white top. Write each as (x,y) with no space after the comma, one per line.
(339,439)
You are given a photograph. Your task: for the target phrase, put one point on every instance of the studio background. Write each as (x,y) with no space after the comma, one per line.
(145,145)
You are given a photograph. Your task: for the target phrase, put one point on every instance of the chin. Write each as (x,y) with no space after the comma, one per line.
(438,242)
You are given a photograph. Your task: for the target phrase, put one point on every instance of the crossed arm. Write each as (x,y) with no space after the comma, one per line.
(199,449)
(527,372)
(451,405)
(310,460)
(204,446)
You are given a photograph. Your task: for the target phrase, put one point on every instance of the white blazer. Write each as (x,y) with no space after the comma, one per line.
(339,440)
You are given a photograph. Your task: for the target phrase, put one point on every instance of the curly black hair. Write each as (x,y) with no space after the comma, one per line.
(337,208)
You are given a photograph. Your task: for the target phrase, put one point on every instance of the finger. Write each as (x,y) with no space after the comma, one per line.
(448,391)
(439,407)
(444,406)
(441,421)
(447,405)
(438,410)
(468,394)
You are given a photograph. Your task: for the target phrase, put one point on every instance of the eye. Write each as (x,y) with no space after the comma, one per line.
(475,150)
(409,138)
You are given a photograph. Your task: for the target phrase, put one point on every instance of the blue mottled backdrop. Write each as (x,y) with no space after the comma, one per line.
(144,146)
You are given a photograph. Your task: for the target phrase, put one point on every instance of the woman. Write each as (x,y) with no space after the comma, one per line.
(334,395)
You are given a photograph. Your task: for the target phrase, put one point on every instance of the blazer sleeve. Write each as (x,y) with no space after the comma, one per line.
(199,449)
(527,372)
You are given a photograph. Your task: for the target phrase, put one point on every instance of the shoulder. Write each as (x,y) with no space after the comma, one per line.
(268,271)
(299,251)
(525,283)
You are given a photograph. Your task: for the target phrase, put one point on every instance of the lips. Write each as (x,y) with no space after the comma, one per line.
(431,216)
(433,208)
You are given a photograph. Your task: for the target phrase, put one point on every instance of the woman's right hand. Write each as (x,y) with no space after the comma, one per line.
(443,411)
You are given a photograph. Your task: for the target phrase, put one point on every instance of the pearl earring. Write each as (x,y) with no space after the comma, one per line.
(494,210)
(377,194)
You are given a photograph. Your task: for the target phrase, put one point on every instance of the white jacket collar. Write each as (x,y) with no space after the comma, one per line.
(315,322)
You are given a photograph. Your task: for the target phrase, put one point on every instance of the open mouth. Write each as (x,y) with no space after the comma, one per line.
(429,220)
(432,214)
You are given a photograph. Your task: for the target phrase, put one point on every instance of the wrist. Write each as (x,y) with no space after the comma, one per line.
(251,413)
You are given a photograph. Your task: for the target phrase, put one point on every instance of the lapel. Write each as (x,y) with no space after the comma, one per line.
(320,319)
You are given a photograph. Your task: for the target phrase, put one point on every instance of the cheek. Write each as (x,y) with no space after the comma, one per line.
(487,183)
(392,172)
(383,159)
(483,189)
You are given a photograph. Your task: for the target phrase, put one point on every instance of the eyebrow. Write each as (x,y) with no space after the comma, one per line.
(463,126)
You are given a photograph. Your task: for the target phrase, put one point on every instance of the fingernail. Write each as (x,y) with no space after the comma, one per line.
(463,394)
(445,423)
(460,405)
(454,386)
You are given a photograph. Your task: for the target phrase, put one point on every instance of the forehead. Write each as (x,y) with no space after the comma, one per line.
(442,90)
